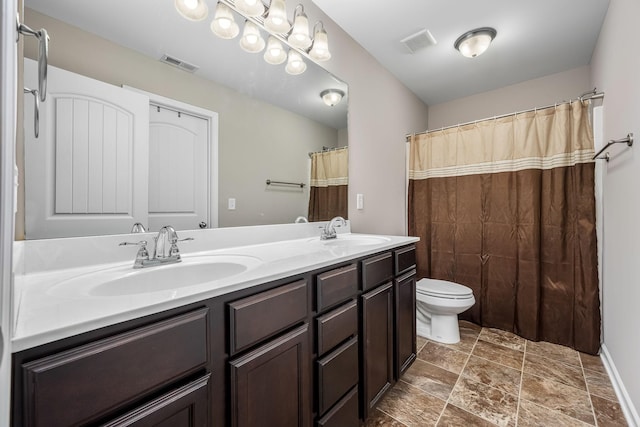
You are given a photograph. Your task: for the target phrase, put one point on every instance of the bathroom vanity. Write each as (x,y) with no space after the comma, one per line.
(313,336)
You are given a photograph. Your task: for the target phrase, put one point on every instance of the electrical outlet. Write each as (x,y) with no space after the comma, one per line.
(360,201)
(232,204)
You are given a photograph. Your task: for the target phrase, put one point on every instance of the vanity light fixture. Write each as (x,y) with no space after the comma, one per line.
(475,42)
(223,24)
(295,64)
(275,53)
(299,36)
(331,97)
(251,40)
(193,10)
(276,20)
(320,49)
(273,20)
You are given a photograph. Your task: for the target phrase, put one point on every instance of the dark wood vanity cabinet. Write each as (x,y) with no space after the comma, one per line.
(317,349)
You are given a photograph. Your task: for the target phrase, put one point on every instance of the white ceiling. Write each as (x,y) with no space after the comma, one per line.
(154,28)
(535,38)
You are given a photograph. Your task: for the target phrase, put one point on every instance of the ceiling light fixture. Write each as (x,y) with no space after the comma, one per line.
(193,10)
(475,42)
(223,24)
(282,36)
(331,97)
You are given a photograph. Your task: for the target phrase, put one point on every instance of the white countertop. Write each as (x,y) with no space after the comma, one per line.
(43,314)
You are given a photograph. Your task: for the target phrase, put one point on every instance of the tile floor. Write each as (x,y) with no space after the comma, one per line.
(492,377)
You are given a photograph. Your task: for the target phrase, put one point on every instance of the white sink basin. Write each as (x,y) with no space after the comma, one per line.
(122,280)
(353,240)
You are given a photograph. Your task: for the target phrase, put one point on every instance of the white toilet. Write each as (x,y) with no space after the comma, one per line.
(438,304)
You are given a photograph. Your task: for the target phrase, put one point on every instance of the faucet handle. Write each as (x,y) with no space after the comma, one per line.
(142,255)
(141,243)
(173,250)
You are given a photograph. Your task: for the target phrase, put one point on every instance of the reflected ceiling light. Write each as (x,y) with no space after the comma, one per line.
(193,10)
(475,42)
(276,20)
(275,53)
(223,24)
(295,64)
(299,36)
(251,40)
(251,8)
(331,97)
(320,49)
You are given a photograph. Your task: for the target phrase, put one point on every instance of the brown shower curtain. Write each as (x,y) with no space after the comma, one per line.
(506,207)
(328,190)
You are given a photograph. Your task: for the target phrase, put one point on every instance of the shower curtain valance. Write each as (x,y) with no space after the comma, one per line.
(329,184)
(506,207)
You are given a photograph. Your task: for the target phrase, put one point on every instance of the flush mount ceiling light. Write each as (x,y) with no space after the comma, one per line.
(284,40)
(193,10)
(473,43)
(223,24)
(331,97)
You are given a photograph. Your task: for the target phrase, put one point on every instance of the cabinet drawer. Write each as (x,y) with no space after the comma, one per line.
(344,414)
(336,326)
(337,373)
(336,286)
(186,406)
(83,384)
(405,259)
(261,316)
(376,270)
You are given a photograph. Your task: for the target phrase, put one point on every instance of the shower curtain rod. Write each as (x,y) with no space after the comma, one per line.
(325,149)
(592,94)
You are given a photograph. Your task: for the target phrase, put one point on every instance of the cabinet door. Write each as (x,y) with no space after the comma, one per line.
(270,385)
(377,343)
(186,406)
(405,322)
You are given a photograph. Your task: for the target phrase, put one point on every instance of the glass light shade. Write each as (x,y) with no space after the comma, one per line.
(275,54)
(299,36)
(250,7)
(295,64)
(193,10)
(475,42)
(251,40)
(331,97)
(320,49)
(276,19)
(223,24)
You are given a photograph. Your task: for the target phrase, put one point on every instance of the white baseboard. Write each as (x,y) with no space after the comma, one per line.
(629,410)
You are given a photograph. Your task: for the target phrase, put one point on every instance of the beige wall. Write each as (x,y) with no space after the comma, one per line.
(381,112)
(522,96)
(252,147)
(614,69)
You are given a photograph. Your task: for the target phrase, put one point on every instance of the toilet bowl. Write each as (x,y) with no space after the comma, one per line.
(438,304)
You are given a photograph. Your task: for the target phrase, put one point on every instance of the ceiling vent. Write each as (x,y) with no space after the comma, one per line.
(185,66)
(419,41)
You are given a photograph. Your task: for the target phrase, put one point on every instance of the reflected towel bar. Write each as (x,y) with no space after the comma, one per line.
(297,184)
(628,140)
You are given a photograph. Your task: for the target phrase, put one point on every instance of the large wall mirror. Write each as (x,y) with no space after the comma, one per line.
(268,121)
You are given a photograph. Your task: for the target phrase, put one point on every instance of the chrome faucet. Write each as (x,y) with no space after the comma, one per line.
(165,250)
(329,230)
(138,228)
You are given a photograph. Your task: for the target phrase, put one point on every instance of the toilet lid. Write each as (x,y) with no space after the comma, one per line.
(442,288)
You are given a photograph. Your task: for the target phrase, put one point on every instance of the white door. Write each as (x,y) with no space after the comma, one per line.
(87,173)
(178,169)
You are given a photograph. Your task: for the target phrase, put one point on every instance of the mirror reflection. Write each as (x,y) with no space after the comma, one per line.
(259,122)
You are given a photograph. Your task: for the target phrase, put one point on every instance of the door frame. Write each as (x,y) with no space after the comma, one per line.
(212,144)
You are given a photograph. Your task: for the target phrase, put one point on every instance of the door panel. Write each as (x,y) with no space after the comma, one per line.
(87,173)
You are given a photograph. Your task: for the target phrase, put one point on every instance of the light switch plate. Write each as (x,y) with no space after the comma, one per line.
(232,204)
(360,201)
